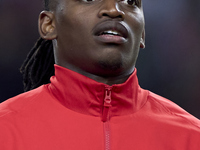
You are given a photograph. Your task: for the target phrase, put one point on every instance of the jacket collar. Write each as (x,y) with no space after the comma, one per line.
(84,95)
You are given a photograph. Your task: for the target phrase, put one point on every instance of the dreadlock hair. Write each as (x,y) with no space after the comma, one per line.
(38,66)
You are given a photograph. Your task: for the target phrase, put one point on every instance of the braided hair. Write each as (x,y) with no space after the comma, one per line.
(38,66)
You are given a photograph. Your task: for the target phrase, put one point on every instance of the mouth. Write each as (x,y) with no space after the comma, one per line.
(110,32)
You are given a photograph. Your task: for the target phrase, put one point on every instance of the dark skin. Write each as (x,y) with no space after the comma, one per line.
(99,39)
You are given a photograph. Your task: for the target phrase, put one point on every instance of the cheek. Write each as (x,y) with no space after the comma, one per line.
(74,27)
(74,17)
(136,22)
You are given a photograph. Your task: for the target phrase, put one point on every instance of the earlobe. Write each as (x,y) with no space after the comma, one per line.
(142,40)
(142,45)
(46,25)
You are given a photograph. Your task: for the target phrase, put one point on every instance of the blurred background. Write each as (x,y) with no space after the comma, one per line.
(168,66)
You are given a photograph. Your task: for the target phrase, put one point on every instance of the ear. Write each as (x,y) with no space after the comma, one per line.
(142,40)
(46,25)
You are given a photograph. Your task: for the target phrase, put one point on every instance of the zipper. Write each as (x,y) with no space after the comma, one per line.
(106,135)
(107,103)
(105,117)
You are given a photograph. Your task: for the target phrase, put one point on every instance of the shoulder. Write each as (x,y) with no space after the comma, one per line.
(22,101)
(172,111)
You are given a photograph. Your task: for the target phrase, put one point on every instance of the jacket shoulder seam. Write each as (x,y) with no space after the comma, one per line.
(173,113)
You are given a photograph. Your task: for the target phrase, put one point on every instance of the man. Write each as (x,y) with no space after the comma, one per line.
(94,101)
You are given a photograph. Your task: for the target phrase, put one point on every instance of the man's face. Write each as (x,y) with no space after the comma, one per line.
(100,37)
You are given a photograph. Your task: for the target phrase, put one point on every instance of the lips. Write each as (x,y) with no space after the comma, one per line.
(110,32)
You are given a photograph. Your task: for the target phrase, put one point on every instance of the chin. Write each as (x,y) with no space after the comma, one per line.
(110,68)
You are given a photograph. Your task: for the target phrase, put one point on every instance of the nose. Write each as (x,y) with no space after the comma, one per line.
(110,8)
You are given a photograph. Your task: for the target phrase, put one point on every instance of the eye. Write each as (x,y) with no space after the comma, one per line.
(130,2)
(88,1)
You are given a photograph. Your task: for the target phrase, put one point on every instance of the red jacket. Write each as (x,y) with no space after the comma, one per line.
(74,112)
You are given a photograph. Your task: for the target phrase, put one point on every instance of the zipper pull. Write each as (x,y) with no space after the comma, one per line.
(107,103)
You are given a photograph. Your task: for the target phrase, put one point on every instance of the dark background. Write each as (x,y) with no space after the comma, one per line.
(168,66)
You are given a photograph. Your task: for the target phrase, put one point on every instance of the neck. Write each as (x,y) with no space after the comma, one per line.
(111,79)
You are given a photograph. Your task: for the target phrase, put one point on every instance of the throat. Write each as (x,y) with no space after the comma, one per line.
(106,74)
(111,80)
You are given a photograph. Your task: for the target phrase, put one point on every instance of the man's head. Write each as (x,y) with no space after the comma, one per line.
(100,37)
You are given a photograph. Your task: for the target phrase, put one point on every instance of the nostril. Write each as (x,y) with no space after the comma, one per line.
(112,13)
(112,16)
